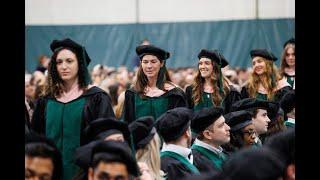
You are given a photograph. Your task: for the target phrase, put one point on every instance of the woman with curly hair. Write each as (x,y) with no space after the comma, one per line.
(265,81)
(210,87)
(69,104)
(288,61)
(153,93)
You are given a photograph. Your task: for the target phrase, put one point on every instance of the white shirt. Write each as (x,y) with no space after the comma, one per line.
(185,152)
(290,120)
(208,146)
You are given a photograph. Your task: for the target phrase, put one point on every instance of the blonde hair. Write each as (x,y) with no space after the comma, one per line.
(151,156)
(254,80)
(284,63)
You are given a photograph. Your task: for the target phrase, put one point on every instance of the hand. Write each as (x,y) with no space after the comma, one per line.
(145,171)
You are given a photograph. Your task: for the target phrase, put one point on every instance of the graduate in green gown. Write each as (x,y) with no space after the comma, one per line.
(242,132)
(176,155)
(153,92)
(265,81)
(288,61)
(288,103)
(210,87)
(69,104)
(212,132)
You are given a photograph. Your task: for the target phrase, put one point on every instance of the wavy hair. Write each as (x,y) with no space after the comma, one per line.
(150,154)
(54,83)
(198,86)
(142,80)
(271,75)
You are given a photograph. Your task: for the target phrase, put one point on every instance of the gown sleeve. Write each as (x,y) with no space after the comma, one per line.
(38,117)
(189,97)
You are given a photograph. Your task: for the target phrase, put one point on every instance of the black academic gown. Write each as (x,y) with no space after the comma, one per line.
(232,97)
(97,105)
(176,98)
(203,164)
(174,169)
(277,97)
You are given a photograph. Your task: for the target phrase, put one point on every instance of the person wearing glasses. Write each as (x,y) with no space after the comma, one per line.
(242,132)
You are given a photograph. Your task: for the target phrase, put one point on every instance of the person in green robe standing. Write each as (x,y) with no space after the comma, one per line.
(210,87)
(68,103)
(264,82)
(153,93)
(288,61)
(212,132)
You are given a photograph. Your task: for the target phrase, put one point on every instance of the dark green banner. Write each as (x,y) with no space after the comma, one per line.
(114,45)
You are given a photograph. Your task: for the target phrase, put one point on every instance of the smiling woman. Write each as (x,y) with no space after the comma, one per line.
(265,81)
(69,104)
(210,87)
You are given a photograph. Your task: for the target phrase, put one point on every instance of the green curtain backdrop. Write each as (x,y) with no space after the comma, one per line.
(114,45)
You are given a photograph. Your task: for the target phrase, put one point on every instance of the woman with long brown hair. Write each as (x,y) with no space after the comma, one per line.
(69,103)
(265,81)
(288,61)
(210,87)
(153,93)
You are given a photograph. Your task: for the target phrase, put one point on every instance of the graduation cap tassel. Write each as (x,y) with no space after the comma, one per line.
(132,146)
(161,76)
(220,80)
(87,76)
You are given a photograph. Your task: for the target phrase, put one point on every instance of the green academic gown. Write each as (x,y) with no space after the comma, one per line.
(136,106)
(65,122)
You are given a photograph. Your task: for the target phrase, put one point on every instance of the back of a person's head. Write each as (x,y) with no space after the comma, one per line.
(253,163)
(283,144)
(150,154)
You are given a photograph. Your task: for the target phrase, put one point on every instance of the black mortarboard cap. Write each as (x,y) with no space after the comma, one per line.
(204,118)
(103,127)
(251,104)
(238,119)
(214,55)
(290,41)
(142,130)
(173,123)
(150,49)
(82,155)
(288,101)
(253,163)
(116,151)
(80,50)
(33,137)
(263,53)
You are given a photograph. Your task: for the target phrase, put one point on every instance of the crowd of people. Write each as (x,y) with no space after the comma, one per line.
(210,121)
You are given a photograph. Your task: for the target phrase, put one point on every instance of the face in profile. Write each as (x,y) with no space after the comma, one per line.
(249,135)
(261,121)
(151,65)
(258,65)
(110,171)
(67,65)
(220,133)
(38,168)
(205,67)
